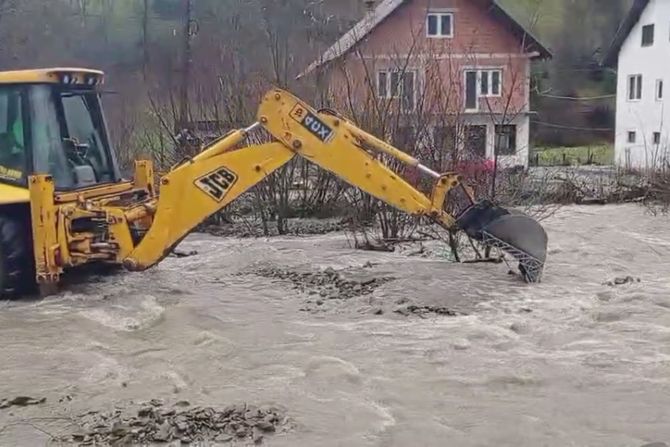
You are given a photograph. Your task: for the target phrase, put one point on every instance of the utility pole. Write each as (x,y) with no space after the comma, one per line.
(145,39)
(187,60)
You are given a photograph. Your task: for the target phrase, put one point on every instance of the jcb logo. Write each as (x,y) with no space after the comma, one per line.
(312,123)
(217,184)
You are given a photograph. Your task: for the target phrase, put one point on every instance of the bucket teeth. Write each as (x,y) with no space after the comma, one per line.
(516,233)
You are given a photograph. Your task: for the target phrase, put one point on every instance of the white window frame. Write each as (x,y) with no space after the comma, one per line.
(628,135)
(653,138)
(635,89)
(481,72)
(488,73)
(660,87)
(399,93)
(440,32)
(388,84)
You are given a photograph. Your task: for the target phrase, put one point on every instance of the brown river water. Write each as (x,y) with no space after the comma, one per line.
(569,362)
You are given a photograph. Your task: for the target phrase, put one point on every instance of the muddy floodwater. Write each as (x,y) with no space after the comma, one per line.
(574,361)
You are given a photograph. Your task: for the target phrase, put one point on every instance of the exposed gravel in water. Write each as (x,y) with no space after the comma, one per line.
(295,227)
(179,424)
(477,358)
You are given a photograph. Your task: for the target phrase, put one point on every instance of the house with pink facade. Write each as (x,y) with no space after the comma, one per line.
(453,75)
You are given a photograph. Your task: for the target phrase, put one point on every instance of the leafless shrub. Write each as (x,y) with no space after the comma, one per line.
(658,196)
(413,97)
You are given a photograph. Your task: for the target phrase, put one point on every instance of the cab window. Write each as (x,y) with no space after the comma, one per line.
(69,134)
(84,134)
(13,151)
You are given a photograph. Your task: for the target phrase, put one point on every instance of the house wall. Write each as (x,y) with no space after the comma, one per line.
(648,115)
(475,30)
(479,42)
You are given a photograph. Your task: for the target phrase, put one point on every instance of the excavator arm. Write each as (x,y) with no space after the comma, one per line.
(139,232)
(202,186)
(337,145)
(129,223)
(191,192)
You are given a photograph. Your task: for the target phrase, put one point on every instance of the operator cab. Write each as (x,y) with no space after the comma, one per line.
(51,122)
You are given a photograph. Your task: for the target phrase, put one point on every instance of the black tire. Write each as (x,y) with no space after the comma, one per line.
(16,258)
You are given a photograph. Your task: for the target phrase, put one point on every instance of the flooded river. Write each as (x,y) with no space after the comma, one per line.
(570,362)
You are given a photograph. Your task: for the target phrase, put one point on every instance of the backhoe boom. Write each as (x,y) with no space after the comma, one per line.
(199,188)
(137,227)
(337,145)
(202,186)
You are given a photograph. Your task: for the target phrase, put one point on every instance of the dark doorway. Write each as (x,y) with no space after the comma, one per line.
(471,96)
(475,141)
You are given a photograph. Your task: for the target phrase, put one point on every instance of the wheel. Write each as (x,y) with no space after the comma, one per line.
(16,258)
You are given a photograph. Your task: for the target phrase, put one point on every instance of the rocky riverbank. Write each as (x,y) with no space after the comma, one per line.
(178,425)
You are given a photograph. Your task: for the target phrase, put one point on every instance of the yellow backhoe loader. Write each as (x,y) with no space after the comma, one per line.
(64,204)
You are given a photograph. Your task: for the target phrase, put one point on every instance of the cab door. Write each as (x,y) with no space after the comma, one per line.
(14,141)
(70,137)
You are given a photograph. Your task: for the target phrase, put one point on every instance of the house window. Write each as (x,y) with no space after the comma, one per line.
(505,139)
(408,90)
(481,83)
(657,137)
(382,84)
(397,84)
(659,89)
(635,87)
(388,84)
(647,35)
(490,82)
(440,24)
(632,136)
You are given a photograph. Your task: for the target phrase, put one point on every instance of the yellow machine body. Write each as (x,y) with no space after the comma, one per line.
(137,223)
(10,194)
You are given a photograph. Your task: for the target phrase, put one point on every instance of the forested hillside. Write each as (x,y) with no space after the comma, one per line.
(578,33)
(238,44)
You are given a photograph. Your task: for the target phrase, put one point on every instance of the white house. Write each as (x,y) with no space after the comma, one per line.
(641,53)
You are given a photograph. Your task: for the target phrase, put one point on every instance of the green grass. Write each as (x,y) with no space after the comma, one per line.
(570,156)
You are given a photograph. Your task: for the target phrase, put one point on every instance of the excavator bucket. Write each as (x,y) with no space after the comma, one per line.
(513,232)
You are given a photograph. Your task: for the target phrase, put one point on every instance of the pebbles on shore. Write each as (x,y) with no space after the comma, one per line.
(296,227)
(328,284)
(179,424)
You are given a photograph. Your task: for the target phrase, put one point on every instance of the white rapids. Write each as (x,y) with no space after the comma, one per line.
(572,361)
